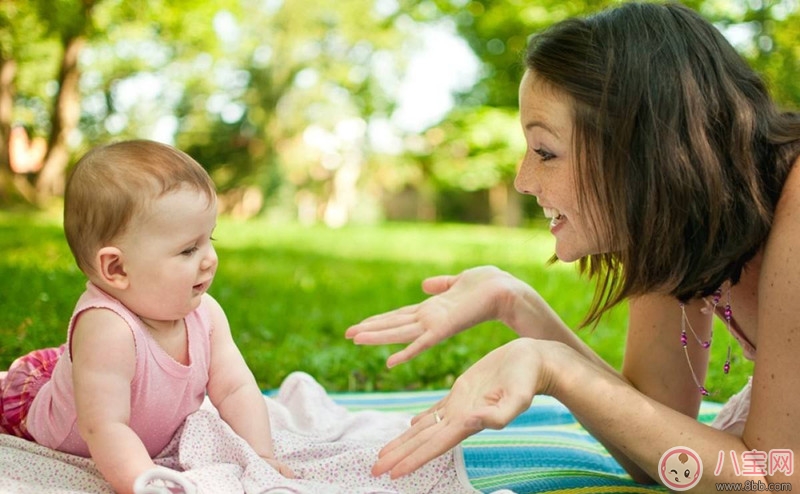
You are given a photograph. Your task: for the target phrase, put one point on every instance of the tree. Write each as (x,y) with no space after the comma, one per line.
(764,32)
(280,100)
(66,28)
(21,43)
(308,80)
(70,22)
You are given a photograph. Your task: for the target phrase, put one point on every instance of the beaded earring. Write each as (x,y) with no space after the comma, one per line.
(727,314)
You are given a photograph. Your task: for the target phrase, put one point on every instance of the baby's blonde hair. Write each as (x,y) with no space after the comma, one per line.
(111,183)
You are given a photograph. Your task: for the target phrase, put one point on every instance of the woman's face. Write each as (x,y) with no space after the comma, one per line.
(547,170)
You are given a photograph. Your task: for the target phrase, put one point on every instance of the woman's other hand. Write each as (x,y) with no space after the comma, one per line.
(490,394)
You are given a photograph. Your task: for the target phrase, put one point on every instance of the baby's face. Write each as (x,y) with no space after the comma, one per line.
(168,257)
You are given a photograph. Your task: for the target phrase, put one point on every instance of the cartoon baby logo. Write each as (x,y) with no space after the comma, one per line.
(680,468)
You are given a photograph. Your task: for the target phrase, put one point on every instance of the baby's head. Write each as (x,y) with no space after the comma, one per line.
(112,184)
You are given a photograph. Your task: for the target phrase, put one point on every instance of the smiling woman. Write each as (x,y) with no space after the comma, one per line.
(671,177)
(547,170)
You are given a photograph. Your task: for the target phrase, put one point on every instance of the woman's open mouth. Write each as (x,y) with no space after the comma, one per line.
(554,215)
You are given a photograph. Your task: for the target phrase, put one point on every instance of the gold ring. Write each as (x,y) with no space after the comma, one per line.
(436,416)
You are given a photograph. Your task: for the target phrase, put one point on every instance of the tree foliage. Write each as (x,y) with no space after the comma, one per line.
(282,100)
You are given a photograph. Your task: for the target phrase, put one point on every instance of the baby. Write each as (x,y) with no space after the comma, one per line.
(146,342)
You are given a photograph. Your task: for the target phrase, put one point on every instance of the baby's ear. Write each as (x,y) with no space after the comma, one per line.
(110,267)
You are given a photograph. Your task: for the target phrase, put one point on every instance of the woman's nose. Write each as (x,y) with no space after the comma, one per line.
(525,182)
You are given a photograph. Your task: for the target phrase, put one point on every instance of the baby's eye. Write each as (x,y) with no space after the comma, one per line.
(189,251)
(544,154)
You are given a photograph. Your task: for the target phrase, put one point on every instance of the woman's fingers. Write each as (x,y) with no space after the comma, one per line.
(439,405)
(383,322)
(419,345)
(438,284)
(407,309)
(399,334)
(415,453)
(429,436)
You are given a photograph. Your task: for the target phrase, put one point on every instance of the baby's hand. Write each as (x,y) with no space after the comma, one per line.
(282,468)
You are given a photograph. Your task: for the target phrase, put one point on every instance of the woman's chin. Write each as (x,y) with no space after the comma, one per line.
(567,256)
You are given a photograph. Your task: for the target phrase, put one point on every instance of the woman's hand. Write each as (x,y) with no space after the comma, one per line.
(458,302)
(490,394)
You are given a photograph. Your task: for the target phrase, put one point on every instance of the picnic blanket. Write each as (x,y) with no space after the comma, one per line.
(331,440)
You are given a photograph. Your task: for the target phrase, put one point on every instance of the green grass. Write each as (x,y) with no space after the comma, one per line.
(290,292)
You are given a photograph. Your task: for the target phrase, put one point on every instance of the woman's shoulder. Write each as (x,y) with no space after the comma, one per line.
(789,200)
(784,235)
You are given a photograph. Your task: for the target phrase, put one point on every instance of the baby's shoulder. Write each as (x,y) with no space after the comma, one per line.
(102,319)
(99,329)
(210,306)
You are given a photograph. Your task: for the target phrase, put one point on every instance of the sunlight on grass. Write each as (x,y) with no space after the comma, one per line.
(290,292)
(410,242)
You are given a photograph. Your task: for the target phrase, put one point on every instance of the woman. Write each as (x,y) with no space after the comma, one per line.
(668,175)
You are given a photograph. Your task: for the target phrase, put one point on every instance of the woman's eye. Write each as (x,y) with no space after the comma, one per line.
(544,154)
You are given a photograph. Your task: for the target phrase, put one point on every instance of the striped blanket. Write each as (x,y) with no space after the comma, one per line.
(545,450)
(331,438)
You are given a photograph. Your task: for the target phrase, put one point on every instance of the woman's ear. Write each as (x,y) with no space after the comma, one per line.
(110,267)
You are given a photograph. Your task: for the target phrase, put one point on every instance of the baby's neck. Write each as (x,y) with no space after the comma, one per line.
(171,337)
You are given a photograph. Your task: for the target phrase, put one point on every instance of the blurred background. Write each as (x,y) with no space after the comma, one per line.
(321,111)
(358,146)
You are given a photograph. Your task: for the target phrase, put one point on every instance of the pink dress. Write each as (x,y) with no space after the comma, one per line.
(733,415)
(38,401)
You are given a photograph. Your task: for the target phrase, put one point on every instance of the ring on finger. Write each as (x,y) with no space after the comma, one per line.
(436,416)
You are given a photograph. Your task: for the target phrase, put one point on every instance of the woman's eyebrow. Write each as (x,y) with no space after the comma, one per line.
(543,125)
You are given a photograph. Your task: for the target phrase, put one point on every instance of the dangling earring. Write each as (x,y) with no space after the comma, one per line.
(727,313)
(685,341)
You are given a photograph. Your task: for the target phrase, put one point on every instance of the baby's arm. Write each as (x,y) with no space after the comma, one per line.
(234,392)
(103,364)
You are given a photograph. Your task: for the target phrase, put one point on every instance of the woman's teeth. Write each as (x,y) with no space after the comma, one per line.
(554,215)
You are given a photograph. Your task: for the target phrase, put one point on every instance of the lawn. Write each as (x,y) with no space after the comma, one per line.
(290,292)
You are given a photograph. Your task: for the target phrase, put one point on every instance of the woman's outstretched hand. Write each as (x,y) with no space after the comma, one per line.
(490,394)
(458,302)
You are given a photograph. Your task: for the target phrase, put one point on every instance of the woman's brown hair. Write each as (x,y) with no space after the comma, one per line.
(680,152)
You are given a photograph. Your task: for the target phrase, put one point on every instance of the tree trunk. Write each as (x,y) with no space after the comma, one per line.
(8,70)
(12,189)
(66,113)
(505,204)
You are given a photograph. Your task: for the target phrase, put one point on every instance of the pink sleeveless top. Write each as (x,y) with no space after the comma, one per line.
(163,391)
